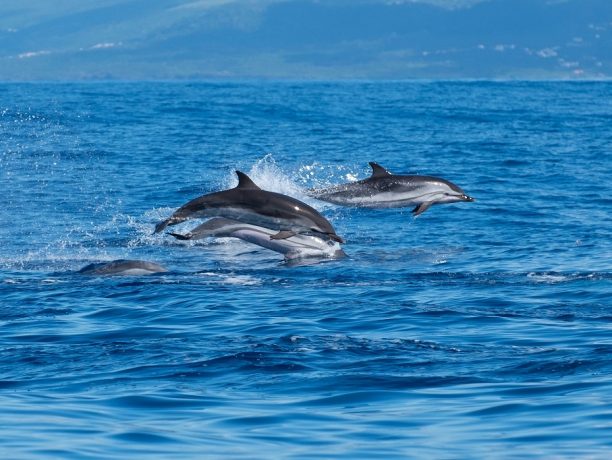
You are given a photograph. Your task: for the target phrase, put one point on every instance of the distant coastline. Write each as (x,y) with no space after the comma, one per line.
(307,40)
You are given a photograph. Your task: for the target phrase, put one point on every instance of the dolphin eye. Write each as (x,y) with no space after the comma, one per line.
(297,208)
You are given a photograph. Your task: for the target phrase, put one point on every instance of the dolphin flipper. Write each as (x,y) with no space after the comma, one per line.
(420,209)
(283,234)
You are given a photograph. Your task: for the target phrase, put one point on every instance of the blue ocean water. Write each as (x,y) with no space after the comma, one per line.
(476,330)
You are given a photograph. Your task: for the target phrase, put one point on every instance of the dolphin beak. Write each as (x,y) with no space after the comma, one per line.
(467,198)
(335,237)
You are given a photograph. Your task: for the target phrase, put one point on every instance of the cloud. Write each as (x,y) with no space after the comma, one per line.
(568,64)
(547,53)
(31,54)
(449,4)
(205,4)
(99,46)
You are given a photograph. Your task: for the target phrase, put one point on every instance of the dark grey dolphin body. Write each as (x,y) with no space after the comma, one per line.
(123,267)
(249,204)
(294,247)
(385,190)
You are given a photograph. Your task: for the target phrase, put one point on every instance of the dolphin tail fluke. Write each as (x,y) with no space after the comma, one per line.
(420,209)
(162,225)
(168,222)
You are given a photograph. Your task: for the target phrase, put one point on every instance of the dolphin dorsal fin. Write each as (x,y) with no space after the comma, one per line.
(378,170)
(245,181)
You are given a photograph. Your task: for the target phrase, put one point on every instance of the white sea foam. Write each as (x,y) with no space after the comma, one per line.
(549,278)
(230,279)
(268,175)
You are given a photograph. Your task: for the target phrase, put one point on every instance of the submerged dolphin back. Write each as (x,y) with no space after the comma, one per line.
(123,267)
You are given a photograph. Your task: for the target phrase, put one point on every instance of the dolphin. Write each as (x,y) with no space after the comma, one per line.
(385,190)
(294,247)
(123,267)
(250,204)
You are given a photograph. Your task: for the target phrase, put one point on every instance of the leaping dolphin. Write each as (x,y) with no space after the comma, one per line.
(295,247)
(123,267)
(385,190)
(250,204)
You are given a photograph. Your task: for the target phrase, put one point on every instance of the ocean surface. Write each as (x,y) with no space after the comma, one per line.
(476,330)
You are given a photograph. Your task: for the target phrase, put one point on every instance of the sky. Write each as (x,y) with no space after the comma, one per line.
(305,39)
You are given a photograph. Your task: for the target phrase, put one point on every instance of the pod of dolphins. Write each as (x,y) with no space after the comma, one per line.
(287,225)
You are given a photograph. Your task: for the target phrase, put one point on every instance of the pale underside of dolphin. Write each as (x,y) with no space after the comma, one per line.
(385,190)
(123,267)
(294,247)
(249,204)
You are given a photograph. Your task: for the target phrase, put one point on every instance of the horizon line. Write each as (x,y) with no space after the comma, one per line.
(312,80)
